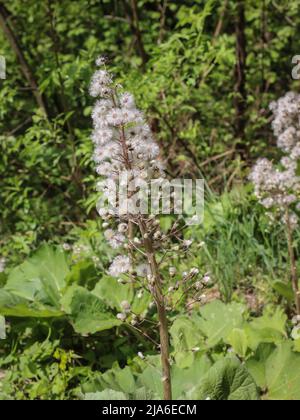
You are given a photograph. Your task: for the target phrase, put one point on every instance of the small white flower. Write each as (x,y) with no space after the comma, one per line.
(296,319)
(198,285)
(100,83)
(187,243)
(67,247)
(123,227)
(157,235)
(206,279)
(120,265)
(121,317)
(100,61)
(194,272)
(143,270)
(125,305)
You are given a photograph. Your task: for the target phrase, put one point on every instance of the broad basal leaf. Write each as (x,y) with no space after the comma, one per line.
(280,372)
(239,341)
(113,294)
(117,379)
(283,374)
(41,277)
(12,305)
(88,313)
(228,379)
(183,380)
(186,337)
(218,320)
(270,328)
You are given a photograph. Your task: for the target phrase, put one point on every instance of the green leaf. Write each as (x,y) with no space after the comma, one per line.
(183,380)
(88,313)
(295,334)
(117,379)
(113,294)
(218,320)
(228,379)
(107,395)
(297,345)
(150,378)
(12,305)
(40,278)
(185,336)
(257,364)
(270,328)
(281,373)
(83,274)
(239,341)
(284,290)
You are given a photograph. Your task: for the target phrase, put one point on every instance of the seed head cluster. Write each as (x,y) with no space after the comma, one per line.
(278,186)
(123,143)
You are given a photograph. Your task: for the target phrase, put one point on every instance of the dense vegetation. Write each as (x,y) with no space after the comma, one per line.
(205,73)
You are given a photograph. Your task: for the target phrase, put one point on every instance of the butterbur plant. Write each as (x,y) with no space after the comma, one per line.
(278,186)
(126,154)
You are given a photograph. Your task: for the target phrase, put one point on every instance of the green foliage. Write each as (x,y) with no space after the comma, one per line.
(60,338)
(227,380)
(38,288)
(88,313)
(277,373)
(41,278)
(114,294)
(106,395)
(50,292)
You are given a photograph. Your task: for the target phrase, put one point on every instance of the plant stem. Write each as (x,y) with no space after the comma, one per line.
(157,289)
(162,316)
(292,256)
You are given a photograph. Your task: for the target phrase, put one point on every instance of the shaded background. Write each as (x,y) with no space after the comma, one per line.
(203,71)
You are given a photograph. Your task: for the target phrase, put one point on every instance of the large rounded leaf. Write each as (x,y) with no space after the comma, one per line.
(88,313)
(40,278)
(12,305)
(227,380)
(277,372)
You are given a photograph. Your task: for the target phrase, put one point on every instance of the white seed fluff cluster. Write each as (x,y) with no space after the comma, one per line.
(286,123)
(123,142)
(278,187)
